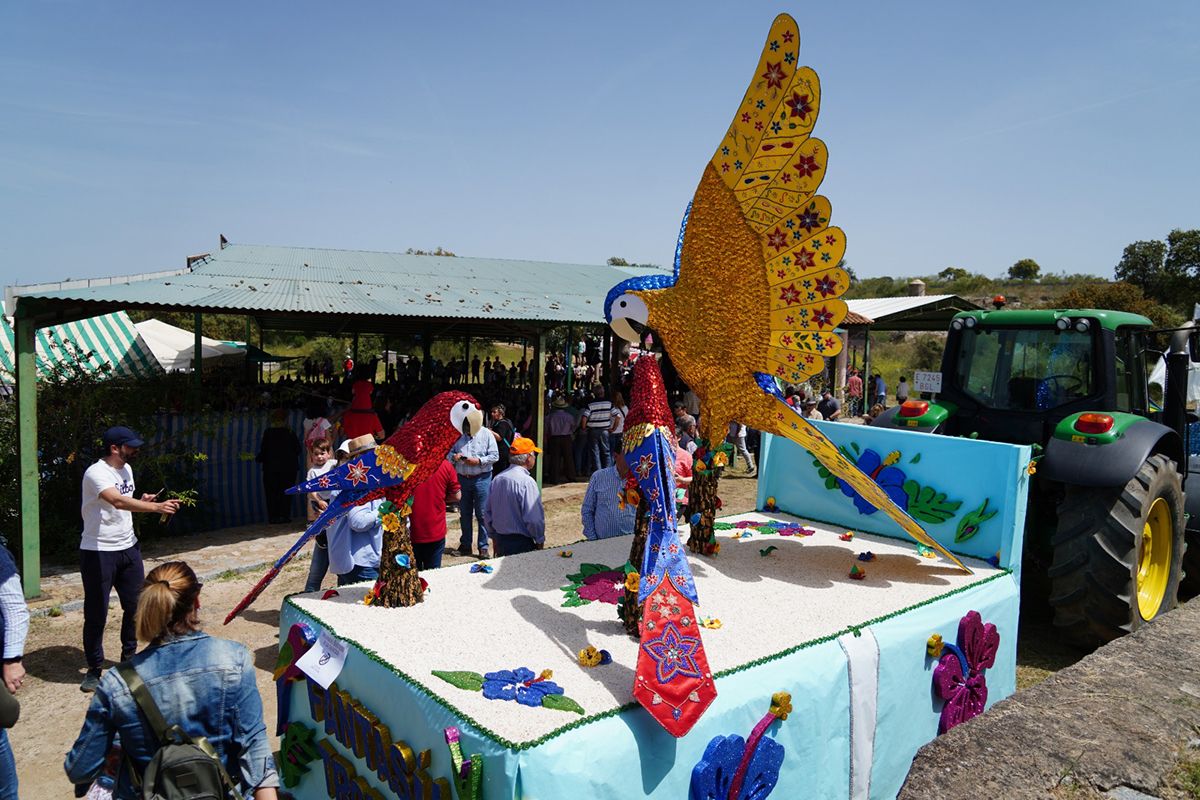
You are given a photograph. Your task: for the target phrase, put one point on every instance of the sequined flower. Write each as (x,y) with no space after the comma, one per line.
(519,684)
(390,461)
(631,581)
(391,522)
(958,678)
(781,704)
(890,479)
(589,657)
(607,587)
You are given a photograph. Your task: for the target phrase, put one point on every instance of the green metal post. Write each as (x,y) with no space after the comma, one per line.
(539,400)
(198,355)
(570,376)
(354,349)
(27,444)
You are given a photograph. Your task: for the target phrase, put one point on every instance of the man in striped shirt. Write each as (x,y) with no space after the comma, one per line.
(596,420)
(602,513)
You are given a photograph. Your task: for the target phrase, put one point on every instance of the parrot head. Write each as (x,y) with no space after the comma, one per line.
(626,309)
(445,416)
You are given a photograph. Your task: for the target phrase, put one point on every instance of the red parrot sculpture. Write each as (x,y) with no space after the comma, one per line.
(391,471)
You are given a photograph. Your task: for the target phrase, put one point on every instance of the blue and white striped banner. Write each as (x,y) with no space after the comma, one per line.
(230,486)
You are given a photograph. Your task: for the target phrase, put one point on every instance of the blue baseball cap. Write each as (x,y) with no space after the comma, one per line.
(119,435)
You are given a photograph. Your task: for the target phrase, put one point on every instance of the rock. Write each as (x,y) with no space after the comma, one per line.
(1126,793)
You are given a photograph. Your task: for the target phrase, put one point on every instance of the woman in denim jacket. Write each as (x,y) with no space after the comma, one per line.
(203,684)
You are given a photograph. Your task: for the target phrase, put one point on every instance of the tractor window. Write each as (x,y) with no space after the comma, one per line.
(1025,369)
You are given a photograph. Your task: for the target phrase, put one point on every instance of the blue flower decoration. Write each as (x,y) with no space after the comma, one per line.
(890,479)
(519,684)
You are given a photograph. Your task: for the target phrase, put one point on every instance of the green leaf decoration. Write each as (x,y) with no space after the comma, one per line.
(928,504)
(591,569)
(915,459)
(972,521)
(471,681)
(561,703)
(855,446)
(722,526)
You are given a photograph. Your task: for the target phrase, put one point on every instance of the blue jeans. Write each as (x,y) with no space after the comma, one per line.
(8,766)
(358,575)
(598,446)
(511,544)
(579,447)
(429,554)
(475,491)
(319,565)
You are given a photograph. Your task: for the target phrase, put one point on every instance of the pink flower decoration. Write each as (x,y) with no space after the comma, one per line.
(607,587)
(746,523)
(958,678)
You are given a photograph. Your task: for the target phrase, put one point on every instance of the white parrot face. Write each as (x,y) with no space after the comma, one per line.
(466,417)
(628,316)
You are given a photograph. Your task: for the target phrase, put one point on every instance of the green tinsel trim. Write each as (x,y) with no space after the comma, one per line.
(579,723)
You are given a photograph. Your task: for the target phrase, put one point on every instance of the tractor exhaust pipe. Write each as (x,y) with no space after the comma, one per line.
(1179,356)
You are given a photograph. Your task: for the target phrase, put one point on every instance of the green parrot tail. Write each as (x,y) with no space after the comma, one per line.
(792,425)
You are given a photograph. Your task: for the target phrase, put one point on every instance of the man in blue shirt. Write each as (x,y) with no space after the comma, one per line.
(602,513)
(473,457)
(514,512)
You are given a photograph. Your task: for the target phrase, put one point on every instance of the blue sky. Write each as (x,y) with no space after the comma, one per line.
(960,134)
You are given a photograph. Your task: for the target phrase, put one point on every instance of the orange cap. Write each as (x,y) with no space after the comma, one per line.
(522,446)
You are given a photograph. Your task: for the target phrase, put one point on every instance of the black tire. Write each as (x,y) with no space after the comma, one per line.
(1096,548)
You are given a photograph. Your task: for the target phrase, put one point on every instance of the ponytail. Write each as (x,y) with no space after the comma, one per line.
(166,603)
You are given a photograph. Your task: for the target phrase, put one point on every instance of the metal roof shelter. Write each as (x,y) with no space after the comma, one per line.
(914,313)
(313,290)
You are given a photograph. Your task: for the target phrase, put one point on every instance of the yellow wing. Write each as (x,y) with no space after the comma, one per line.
(770,162)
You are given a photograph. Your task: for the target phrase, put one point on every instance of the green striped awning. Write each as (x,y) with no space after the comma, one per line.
(110,339)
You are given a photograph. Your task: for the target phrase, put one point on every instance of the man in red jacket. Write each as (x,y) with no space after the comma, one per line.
(428,519)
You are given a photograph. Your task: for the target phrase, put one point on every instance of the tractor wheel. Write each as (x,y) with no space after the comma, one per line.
(1118,554)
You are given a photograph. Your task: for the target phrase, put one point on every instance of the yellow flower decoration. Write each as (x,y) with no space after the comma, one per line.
(710,622)
(368,598)
(391,522)
(1032,468)
(589,657)
(631,581)
(71,458)
(392,463)
(720,460)
(933,647)
(546,675)
(565,553)
(700,465)
(781,704)
(892,458)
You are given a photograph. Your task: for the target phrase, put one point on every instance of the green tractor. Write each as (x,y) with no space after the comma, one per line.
(1106,534)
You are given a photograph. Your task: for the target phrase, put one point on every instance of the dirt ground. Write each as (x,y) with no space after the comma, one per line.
(53,708)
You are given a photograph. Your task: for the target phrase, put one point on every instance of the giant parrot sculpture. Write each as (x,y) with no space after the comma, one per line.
(391,471)
(756,291)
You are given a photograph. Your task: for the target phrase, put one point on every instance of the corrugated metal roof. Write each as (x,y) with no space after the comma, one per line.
(109,339)
(879,307)
(264,279)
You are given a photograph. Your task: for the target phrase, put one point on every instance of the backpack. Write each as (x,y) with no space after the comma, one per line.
(183,768)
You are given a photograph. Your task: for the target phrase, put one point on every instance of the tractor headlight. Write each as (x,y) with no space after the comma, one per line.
(1082,325)
(1062,323)
(956,324)
(970,322)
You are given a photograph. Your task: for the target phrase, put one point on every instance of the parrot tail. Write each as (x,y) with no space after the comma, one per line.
(337,506)
(783,420)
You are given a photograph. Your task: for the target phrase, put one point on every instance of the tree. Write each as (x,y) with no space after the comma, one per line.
(438,252)
(617,261)
(953,274)
(1118,296)
(1142,265)
(1024,270)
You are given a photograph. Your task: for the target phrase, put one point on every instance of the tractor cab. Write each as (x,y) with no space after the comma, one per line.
(1014,376)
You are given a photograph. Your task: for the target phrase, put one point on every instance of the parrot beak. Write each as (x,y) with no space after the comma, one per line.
(474,422)
(625,328)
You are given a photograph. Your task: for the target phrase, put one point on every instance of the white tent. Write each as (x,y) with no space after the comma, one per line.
(174,348)
(1159,375)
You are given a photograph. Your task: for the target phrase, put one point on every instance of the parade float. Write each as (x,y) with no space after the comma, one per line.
(803,650)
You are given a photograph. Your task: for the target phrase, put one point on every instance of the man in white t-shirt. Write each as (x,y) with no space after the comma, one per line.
(109,555)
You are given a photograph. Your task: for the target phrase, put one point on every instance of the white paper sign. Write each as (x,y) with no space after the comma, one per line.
(324,662)
(927,382)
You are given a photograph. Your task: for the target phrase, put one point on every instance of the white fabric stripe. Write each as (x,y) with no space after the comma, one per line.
(862,666)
